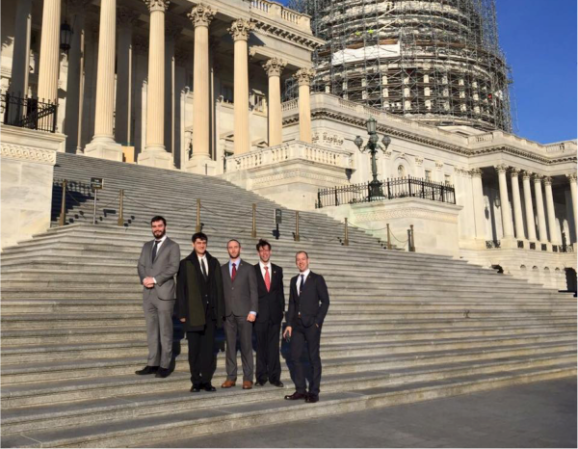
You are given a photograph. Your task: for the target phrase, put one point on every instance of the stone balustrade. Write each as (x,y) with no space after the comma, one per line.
(280,12)
(291,152)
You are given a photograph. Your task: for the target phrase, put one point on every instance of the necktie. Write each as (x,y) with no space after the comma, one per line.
(234,272)
(204,269)
(267,279)
(302,284)
(155,247)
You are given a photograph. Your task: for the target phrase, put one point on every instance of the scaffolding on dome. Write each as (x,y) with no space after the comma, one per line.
(437,61)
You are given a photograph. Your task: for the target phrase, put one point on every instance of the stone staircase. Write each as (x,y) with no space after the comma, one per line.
(402,327)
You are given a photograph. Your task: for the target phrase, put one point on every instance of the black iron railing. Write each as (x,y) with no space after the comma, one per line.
(407,187)
(28,113)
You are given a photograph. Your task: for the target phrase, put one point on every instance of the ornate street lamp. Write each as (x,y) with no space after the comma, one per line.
(65,36)
(372,146)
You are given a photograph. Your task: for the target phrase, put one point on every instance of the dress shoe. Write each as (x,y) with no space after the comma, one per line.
(147,370)
(260,383)
(195,389)
(247,385)
(209,387)
(228,384)
(295,396)
(312,398)
(163,373)
(278,384)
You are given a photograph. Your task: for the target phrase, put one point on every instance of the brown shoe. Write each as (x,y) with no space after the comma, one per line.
(247,385)
(228,384)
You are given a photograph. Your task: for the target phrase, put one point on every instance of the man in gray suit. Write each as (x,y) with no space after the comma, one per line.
(241,307)
(157,266)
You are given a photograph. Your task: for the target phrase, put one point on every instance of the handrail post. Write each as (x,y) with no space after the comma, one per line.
(388,237)
(254,224)
(297,238)
(412,241)
(346,240)
(198,225)
(121,208)
(62,217)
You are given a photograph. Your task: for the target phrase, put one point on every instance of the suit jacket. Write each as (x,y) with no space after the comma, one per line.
(241,295)
(272,302)
(163,269)
(313,302)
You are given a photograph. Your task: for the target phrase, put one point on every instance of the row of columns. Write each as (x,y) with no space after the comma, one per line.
(513,227)
(103,143)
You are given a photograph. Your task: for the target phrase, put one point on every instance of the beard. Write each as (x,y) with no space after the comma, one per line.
(159,234)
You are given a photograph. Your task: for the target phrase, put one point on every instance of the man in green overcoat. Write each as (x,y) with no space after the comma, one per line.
(200,307)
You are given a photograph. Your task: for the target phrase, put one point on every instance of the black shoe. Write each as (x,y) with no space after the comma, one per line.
(278,384)
(163,373)
(147,370)
(209,387)
(260,383)
(295,396)
(312,398)
(195,389)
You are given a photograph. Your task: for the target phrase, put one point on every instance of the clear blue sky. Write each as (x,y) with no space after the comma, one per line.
(539,39)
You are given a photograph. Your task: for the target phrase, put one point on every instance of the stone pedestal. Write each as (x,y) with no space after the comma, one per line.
(202,165)
(27,160)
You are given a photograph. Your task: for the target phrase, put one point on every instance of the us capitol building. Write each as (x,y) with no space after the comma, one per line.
(203,88)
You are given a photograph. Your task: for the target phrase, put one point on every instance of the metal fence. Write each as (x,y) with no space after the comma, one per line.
(28,113)
(406,187)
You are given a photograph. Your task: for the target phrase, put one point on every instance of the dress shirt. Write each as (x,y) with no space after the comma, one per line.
(237,262)
(306,274)
(203,262)
(161,241)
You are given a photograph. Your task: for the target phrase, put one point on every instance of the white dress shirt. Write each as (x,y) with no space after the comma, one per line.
(306,274)
(161,241)
(204,262)
(263,265)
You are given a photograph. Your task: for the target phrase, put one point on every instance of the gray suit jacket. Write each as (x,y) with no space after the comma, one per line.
(163,269)
(241,296)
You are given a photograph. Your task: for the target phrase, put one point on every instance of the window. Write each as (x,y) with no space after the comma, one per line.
(428,175)
(401,171)
(448,180)
(259,102)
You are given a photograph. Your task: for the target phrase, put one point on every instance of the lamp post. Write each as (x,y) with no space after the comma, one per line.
(372,146)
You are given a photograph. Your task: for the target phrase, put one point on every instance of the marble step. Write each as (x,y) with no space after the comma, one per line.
(153,428)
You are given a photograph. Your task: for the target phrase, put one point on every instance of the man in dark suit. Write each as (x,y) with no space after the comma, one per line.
(241,307)
(268,324)
(308,305)
(157,266)
(201,307)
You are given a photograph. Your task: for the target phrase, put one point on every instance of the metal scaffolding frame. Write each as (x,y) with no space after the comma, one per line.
(437,61)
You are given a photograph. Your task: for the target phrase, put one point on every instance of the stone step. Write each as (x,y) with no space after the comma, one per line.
(173,426)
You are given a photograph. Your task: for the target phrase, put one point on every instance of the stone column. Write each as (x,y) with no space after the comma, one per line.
(274,67)
(304,77)
(154,154)
(572,179)
(479,209)
(201,162)
(103,144)
(240,30)
(21,52)
(529,207)
(542,231)
(504,199)
(518,215)
(127,19)
(551,211)
(49,51)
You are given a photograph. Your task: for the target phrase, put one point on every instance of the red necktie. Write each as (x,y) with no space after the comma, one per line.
(234,272)
(267,279)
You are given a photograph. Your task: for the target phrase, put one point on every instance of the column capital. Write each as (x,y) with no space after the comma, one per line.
(515,172)
(572,178)
(274,67)
(547,180)
(202,15)
(476,172)
(304,76)
(127,17)
(526,175)
(537,178)
(157,5)
(501,168)
(241,28)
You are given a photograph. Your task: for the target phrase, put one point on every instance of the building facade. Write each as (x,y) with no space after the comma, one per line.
(198,87)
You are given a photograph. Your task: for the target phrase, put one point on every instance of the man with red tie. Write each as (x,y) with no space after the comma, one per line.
(268,324)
